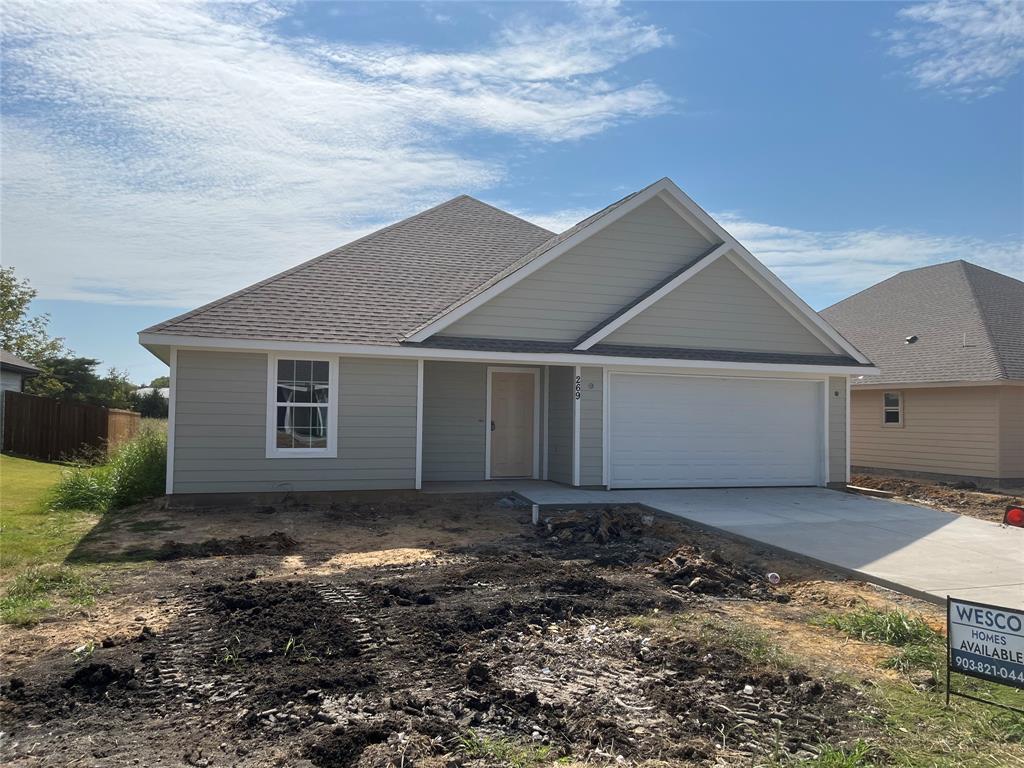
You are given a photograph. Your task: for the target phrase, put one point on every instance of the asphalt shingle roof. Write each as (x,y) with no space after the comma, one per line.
(10,361)
(377,289)
(969,322)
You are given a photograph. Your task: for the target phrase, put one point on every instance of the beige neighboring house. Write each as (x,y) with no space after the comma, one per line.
(949,404)
(642,347)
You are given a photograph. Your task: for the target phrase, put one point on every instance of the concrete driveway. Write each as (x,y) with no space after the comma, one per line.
(923,552)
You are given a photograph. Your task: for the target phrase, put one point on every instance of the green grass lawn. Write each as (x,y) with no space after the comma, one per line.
(30,533)
(34,540)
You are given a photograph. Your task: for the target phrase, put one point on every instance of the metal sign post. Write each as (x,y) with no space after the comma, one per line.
(986,642)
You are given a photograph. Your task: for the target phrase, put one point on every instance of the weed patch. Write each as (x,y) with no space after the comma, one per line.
(133,472)
(30,595)
(920,645)
(504,751)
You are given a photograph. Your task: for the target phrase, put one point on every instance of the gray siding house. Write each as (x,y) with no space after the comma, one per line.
(643,347)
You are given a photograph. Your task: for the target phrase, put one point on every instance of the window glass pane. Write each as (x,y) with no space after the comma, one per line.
(283,434)
(285,370)
(302,392)
(892,399)
(892,417)
(285,392)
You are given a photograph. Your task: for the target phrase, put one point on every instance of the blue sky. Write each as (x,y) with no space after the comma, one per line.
(159,155)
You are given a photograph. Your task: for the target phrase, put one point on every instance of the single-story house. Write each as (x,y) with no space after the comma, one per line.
(14,371)
(949,403)
(642,347)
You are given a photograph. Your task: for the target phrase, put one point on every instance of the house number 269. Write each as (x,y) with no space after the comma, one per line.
(578,387)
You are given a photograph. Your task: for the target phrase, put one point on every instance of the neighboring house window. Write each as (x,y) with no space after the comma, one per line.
(302,413)
(892,409)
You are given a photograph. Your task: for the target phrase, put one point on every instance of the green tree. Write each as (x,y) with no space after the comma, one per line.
(152,405)
(22,334)
(75,378)
(160,381)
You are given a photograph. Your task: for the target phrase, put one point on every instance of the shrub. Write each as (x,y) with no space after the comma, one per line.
(133,472)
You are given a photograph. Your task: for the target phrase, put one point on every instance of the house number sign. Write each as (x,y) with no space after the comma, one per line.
(578,387)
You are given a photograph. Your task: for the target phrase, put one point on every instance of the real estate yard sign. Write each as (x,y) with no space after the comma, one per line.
(984,641)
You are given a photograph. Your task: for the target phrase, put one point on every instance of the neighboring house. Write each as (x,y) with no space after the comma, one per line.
(14,371)
(949,404)
(643,347)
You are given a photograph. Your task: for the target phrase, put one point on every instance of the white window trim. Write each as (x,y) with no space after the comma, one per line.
(334,394)
(886,409)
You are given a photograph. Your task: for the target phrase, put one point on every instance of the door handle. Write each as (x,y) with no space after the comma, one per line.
(492,426)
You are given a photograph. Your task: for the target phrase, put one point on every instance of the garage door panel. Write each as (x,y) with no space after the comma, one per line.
(700,431)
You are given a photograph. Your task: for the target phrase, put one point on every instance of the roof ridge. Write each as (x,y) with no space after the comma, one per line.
(507,213)
(983,316)
(303,265)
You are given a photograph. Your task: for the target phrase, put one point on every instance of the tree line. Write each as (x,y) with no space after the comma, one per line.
(64,375)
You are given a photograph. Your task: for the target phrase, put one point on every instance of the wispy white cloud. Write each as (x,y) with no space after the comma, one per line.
(167,152)
(964,47)
(827,266)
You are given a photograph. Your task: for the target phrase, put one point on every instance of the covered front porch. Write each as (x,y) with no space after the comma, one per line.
(488,422)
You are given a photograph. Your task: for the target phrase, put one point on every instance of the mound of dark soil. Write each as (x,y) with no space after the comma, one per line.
(289,621)
(708,573)
(97,677)
(271,544)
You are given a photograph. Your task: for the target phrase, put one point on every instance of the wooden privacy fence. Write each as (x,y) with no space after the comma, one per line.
(56,429)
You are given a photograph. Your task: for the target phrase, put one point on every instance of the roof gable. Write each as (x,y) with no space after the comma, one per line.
(687,210)
(967,320)
(719,308)
(566,297)
(376,289)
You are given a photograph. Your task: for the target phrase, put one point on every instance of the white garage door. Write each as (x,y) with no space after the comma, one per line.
(692,431)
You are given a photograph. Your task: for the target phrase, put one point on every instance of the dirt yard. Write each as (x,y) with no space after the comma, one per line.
(436,631)
(963,501)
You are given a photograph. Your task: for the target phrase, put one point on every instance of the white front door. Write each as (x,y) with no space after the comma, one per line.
(512,425)
(695,431)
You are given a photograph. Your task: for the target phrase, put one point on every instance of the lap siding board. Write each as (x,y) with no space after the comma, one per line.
(220,428)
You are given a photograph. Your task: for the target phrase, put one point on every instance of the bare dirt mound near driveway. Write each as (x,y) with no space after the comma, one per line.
(525,643)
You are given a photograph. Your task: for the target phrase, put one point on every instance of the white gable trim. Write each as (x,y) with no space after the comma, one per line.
(659,294)
(658,189)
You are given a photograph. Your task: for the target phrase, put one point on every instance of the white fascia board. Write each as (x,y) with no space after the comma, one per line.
(659,294)
(525,271)
(209,343)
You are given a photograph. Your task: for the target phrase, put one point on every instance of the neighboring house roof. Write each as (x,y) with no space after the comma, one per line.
(969,323)
(376,289)
(11,362)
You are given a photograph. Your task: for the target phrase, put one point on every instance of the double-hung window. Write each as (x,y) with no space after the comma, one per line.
(302,413)
(892,409)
